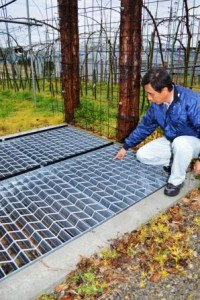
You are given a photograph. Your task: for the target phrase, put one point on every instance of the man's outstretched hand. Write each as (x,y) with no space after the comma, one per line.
(120,154)
(197,167)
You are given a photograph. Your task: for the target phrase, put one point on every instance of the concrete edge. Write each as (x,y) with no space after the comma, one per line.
(42,129)
(36,130)
(43,275)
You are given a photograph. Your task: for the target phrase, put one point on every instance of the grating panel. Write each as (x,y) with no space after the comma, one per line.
(42,148)
(50,146)
(13,161)
(49,207)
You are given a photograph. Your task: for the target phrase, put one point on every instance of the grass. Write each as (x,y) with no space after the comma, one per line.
(96,116)
(19,113)
(98,109)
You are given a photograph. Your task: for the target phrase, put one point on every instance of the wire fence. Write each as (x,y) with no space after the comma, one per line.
(170,38)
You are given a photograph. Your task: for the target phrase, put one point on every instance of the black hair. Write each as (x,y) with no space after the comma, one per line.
(158,78)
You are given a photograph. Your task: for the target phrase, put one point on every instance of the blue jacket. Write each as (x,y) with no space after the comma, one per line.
(181,118)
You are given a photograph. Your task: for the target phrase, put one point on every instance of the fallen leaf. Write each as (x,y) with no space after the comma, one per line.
(155,277)
(186,200)
(195,206)
(60,287)
(171,270)
(177,218)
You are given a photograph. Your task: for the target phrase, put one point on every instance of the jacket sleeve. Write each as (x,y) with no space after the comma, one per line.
(193,112)
(147,125)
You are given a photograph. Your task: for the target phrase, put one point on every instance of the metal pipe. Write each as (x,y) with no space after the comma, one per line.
(31,54)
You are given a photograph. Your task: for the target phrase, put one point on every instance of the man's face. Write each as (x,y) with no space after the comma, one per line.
(157,97)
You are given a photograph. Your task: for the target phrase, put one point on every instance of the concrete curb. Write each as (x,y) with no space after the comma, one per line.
(43,275)
(36,130)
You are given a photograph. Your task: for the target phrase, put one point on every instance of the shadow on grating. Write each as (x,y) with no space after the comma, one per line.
(25,153)
(49,207)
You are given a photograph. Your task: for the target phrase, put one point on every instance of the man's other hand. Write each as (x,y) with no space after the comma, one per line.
(120,154)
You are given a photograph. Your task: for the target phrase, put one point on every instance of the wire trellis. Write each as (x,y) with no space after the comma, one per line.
(170,38)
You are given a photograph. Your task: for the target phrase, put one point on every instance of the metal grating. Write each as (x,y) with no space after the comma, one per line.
(49,207)
(13,161)
(43,148)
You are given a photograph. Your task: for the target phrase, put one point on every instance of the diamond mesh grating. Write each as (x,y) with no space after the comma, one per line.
(51,206)
(13,161)
(25,153)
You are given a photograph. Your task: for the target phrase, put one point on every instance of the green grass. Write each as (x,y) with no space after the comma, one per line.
(97,110)
(18,112)
(98,116)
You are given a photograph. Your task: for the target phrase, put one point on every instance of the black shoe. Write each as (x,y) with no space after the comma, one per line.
(167,169)
(172,190)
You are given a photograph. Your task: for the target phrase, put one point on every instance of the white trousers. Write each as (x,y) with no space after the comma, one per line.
(159,152)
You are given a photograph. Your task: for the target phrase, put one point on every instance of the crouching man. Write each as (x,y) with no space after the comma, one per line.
(176,110)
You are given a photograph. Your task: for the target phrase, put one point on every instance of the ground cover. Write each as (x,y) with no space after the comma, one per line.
(19,113)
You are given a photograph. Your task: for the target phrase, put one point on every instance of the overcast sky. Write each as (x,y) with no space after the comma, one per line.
(47,10)
(38,9)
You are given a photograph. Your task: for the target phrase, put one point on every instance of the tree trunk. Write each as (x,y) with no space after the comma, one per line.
(129,64)
(68,13)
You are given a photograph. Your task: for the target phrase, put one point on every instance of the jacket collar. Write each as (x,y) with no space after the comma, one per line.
(176,94)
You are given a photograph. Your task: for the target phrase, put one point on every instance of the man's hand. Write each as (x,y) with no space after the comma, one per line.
(197,167)
(120,154)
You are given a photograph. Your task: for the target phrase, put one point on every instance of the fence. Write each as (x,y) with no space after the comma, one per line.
(170,33)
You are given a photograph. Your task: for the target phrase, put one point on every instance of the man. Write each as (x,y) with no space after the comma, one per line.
(177,111)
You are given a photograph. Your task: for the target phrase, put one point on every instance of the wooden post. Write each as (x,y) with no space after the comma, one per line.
(129,66)
(68,13)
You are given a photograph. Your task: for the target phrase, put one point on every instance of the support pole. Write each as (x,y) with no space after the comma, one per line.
(31,54)
(68,13)
(129,65)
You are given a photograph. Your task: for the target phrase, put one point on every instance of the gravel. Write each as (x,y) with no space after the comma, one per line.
(172,288)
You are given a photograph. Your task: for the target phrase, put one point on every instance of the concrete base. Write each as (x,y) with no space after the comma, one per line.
(43,275)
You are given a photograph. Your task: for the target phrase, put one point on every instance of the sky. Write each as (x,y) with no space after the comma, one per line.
(38,9)
(47,10)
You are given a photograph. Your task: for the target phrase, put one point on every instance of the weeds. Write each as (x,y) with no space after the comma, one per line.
(88,283)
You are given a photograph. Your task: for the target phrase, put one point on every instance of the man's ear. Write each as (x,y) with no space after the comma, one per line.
(165,91)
